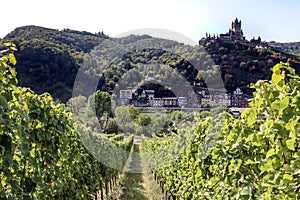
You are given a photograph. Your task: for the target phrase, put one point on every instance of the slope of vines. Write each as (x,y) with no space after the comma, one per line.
(254,157)
(41,154)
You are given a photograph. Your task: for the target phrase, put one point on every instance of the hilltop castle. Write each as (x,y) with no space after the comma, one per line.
(234,33)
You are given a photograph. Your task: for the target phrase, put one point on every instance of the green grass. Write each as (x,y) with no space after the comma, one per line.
(136,186)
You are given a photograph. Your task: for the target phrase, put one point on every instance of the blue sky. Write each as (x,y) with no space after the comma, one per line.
(271,19)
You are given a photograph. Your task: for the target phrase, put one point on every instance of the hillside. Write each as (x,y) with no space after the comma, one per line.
(291,47)
(48,60)
(243,63)
(239,62)
(69,39)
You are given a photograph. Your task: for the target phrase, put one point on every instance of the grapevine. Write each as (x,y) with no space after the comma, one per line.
(253,157)
(42,156)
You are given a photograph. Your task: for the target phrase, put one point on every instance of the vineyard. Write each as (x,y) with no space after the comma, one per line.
(256,156)
(42,156)
(253,157)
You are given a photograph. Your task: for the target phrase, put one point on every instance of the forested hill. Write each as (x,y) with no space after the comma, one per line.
(292,47)
(48,59)
(67,38)
(243,63)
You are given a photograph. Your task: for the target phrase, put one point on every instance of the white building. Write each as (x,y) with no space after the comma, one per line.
(125,96)
(182,101)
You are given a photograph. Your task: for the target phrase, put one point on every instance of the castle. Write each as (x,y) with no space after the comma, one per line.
(234,33)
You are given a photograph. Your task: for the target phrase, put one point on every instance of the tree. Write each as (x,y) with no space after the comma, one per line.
(123,118)
(143,120)
(112,127)
(76,105)
(99,104)
(133,112)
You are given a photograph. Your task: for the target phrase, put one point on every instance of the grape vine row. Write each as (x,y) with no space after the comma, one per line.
(255,156)
(42,156)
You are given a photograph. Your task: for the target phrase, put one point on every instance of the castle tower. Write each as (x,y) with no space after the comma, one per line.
(236,27)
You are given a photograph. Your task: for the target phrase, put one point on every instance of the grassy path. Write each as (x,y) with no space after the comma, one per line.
(137,186)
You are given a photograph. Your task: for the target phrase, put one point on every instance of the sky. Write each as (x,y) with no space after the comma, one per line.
(273,20)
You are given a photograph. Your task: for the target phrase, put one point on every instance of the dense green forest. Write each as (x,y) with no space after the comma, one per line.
(243,64)
(50,59)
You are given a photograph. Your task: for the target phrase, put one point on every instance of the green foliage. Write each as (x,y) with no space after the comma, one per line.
(144,120)
(46,67)
(99,106)
(49,60)
(67,38)
(130,120)
(112,127)
(42,156)
(237,62)
(100,103)
(253,157)
(123,118)
(242,64)
(133,112)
